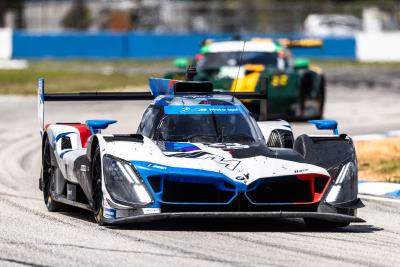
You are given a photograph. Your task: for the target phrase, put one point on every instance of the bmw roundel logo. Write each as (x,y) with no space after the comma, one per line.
(242,179)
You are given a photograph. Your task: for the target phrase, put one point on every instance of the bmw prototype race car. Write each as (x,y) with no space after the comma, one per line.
(196,154)
(296,88)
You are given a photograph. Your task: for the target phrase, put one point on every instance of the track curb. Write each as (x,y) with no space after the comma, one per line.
(382,189)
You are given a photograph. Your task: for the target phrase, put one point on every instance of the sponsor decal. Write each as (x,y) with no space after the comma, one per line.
(83,168)
(151,210)
(110,213)
(157,166)
(230,164)
(299,171)
(202,109)
(126,213)
(185,109)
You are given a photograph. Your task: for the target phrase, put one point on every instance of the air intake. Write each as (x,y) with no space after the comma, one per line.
(281,138)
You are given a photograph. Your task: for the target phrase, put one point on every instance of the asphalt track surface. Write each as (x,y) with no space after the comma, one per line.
(31,236)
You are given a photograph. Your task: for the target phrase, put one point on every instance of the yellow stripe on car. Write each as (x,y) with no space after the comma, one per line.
(248,83)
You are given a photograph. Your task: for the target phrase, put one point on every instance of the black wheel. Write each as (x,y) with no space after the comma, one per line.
(49,171)
(321,224)
(321,101)
(98,209)
(306,85)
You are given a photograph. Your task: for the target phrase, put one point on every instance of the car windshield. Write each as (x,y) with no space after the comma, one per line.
(215,60)
(208,128)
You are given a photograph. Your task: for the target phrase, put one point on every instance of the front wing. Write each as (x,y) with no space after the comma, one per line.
(332,217)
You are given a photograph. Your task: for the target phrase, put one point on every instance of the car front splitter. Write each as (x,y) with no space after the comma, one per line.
(331,217)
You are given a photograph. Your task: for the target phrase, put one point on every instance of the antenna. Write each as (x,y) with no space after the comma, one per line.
(240,64)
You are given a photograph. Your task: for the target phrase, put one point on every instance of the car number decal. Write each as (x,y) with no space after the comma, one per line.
(279,80)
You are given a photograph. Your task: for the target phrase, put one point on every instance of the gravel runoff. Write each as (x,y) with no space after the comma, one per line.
(31,236)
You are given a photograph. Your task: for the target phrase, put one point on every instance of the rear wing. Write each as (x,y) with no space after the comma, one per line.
(40,104)
(292,43)
(155,88)
(302,43)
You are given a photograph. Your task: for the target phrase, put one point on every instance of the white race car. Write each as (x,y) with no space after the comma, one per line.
(196,154)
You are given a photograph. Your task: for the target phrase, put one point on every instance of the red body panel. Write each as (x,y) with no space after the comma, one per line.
(315,194)
(84,133)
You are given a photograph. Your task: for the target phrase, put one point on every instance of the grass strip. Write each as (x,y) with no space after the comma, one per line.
(75,76)
(379,160)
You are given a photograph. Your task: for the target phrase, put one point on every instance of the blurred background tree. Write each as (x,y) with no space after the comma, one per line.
(78,17)
(14,9)
(239,16)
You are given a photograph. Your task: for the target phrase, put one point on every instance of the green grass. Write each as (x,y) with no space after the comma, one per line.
(379,159)
(102,75)
(393,179)
(389,165)
(75,76)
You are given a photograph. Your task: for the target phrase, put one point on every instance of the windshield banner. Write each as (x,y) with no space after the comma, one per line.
(203,109)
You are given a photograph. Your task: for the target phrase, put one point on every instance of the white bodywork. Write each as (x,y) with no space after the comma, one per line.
(267,127)
(242,46)
(217,160)
(66,157)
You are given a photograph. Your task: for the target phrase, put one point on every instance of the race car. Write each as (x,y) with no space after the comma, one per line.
(296,88)
(197,153)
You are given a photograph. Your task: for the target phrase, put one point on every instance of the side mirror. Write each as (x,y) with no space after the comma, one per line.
(181,63)
(301,63)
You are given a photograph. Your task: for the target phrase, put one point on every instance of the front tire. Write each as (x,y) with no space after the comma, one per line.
(98,208)
(49,171)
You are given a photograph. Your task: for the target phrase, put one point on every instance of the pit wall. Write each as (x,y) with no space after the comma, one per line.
(106,45)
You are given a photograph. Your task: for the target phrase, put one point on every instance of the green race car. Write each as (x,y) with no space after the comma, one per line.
(296,89)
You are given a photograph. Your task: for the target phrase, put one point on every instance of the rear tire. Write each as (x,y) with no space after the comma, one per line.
(49,171)
(98,208)
(321,100)
(321,224)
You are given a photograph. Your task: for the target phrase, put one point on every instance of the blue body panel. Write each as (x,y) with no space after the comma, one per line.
(326,125)
(187,175)
(96,125)
(179,146)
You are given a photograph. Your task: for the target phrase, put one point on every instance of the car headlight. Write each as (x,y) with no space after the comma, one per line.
(345,186)
(123,183)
